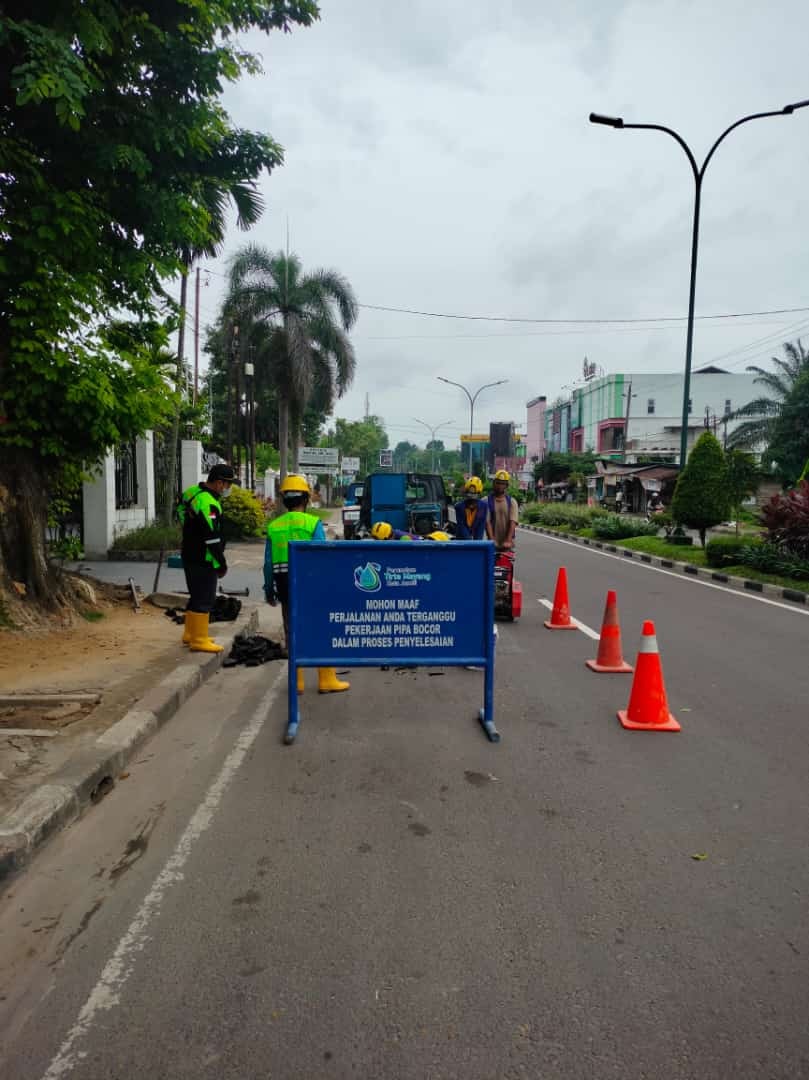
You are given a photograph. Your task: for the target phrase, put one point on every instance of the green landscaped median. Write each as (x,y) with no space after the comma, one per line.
(695,556)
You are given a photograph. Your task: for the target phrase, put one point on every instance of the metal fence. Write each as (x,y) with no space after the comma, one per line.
(126,476)
(162,457)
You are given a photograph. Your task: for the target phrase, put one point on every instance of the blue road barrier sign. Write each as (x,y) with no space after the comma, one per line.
(368,603)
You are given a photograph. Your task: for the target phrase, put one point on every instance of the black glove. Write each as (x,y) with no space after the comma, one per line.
(271,597)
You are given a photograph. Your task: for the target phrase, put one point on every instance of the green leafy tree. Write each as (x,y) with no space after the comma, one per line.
(556,467)
(114,148)
(403,453)
(743,479)
(701,497)
(360,438)
(306,317)
(761,415)
(788,449)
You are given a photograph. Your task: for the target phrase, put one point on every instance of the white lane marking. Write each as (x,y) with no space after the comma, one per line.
(669,573)
(107,992)
(579,625)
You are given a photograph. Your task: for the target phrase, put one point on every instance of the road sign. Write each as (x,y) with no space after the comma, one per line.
(410,604)
(385,459)
(350,464)
(310,457)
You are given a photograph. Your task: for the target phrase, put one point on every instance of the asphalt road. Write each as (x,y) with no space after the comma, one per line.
(394,897)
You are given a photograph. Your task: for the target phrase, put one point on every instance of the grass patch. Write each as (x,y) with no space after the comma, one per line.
(149,538)
(92,616)
(654,545)
(768,579)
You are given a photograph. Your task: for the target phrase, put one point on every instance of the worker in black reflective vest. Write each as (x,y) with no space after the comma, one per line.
(203,551)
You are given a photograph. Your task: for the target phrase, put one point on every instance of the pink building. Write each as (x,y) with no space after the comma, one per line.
(535,429)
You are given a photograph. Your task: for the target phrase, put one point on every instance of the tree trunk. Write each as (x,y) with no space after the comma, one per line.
(23,519)
(283,436)
(167,511)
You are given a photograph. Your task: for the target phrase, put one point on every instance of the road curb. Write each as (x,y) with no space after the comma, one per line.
(793,596)
(91,771)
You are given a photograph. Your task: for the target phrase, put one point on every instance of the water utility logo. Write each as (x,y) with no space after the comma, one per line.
(366,578)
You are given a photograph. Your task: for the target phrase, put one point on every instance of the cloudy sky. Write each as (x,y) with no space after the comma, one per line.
(439,155)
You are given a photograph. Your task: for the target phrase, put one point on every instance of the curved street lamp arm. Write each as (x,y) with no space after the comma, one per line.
(744,120)
(670,131)
(486,387)
(459,385)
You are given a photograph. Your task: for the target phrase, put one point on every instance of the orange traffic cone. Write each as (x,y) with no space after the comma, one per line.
(560,616)
(648,709)
(609,644)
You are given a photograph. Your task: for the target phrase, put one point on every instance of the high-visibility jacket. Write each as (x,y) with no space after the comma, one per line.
(294,525)
(200,514)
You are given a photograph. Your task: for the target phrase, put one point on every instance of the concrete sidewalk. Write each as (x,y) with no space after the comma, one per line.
(89,766)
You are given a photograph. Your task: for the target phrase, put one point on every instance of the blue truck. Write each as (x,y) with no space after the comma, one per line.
(411,502)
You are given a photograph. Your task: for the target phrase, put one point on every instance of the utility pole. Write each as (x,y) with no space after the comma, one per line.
(234,348)
(626,417)
(196,338)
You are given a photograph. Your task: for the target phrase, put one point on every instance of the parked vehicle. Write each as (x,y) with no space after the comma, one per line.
(351,509)
(409,502)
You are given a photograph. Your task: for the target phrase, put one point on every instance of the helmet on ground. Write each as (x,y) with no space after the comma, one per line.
(381,530)
(294,484)
(439,535)
(473,487)
(501,474)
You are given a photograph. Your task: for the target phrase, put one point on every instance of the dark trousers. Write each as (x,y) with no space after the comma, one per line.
(201,581)
(282,592)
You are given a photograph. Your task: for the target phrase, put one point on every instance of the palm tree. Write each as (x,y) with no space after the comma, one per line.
(764,411)
(308,317)
(215,200)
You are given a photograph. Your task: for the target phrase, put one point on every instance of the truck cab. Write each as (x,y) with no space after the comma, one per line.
(411,502)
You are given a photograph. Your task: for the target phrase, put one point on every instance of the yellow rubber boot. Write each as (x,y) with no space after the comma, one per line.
(328,683)
(186,632)
(300,680)
(200,640)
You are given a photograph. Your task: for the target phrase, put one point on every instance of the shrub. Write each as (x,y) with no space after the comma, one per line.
(149,538)
(622,527)
(554,514)
(772,559)
(786,519)
(242,515)
(701,495)
(68,549)
(726,550)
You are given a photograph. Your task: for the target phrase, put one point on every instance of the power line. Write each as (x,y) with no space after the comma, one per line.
(514,319)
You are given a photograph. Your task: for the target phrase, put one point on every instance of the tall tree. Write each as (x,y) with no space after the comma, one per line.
(309,316)
(788,449)
(112,136)
(760,415)
(701,498)
(215,198)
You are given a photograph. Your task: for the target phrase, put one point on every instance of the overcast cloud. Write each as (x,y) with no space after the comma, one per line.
(439,155)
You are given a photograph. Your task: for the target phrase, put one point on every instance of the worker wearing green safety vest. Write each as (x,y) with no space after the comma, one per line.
(203,552)
(295,524)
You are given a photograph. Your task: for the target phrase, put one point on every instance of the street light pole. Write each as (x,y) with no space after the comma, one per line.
(699,173)
(432,431)
(472,399)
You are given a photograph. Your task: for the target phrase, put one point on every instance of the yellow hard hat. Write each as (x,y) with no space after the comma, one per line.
(501,474)
(473,486)
(295,484)
(381,531)
(439,535)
